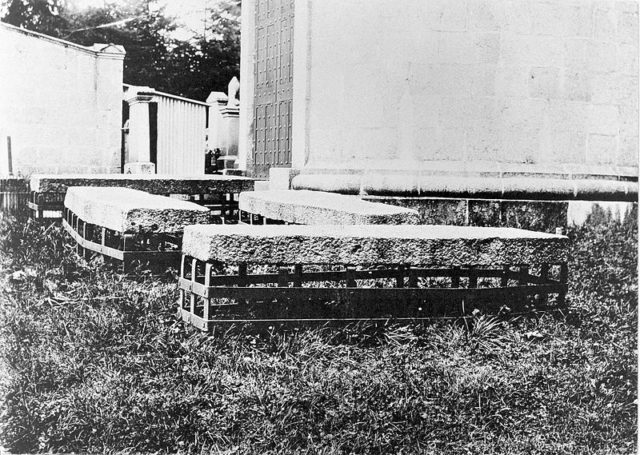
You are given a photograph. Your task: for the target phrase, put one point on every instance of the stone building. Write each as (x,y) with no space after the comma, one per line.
(494,99)
(61,104)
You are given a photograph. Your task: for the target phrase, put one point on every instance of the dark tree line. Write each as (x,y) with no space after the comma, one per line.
(155,58)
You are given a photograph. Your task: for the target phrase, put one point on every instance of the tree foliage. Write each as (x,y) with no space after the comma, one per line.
(155,57)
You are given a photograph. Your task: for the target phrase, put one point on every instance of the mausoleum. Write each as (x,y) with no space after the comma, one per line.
(495,99)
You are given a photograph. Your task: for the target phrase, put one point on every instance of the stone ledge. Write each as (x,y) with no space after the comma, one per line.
(524,187)
(315,207)
(361,245)
(131,211)
(151,183)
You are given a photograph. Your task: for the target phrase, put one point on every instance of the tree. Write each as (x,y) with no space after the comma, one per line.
(154,57)
(42,16)
(212,58)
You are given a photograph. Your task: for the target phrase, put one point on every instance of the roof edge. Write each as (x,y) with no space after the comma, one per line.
(97,50)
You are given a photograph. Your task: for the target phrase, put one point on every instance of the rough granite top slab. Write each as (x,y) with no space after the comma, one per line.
(131,211)
(317,207)
(379,244)
(151,183)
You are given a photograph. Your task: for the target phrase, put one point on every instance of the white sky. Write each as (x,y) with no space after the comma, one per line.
(189,14)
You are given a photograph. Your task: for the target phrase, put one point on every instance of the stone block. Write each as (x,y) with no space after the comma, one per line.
(579,20)
(150,183)
(487,48)
(512,82)
(601,57)
(575,51)
(316,207)
(627,93)
(486,15)
(548,18)
(518,17)
(577,84)
(261,185)
(568,147)
(455,47)
(454,80)
(604,88)
(483,81)
(604,28)
(603,119)
(130,211)
(447,16)
(601,149)
(627,27)
(628,59)
(628,151)
(362,245)
(280,177)
(543,82)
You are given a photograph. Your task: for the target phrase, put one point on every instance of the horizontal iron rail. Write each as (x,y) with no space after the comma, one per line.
(263,293)
(265,278)
(115,253)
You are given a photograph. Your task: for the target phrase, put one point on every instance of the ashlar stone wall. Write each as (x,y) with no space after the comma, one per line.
(533,82)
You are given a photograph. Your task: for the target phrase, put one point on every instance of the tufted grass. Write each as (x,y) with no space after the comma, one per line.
(94,362)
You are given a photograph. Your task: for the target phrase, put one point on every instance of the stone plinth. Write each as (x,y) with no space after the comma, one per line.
(520,183)
(315,207)
(130,211)
(151,183)
(409,245)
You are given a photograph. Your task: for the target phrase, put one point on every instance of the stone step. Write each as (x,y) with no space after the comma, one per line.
(151,183)
(317,207)
(373,244)
(126,210)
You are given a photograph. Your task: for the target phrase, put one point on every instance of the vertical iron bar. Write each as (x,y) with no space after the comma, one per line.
(297,276)
(564,275)
(283,277)
(455,277)
(207,300)
(544,275)
(400,276)
(350,276)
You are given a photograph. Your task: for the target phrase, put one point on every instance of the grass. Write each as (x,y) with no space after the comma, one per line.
(98,363)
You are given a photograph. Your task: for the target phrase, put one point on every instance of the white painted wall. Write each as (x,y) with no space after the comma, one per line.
(389,85)
(61,103)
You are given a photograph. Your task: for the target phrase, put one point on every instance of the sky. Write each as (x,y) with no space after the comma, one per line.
(189,14)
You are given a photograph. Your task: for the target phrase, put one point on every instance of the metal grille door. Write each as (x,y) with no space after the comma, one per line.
(274,82)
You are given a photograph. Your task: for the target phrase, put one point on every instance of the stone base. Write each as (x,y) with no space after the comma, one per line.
(140,168)
(544,216)
(280,177)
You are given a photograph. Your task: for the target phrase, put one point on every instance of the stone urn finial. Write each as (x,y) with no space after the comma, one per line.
(234,87)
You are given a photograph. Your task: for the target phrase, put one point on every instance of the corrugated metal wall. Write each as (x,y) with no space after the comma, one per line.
(181,135)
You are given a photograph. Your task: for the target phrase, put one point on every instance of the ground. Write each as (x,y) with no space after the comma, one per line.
(95,362)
